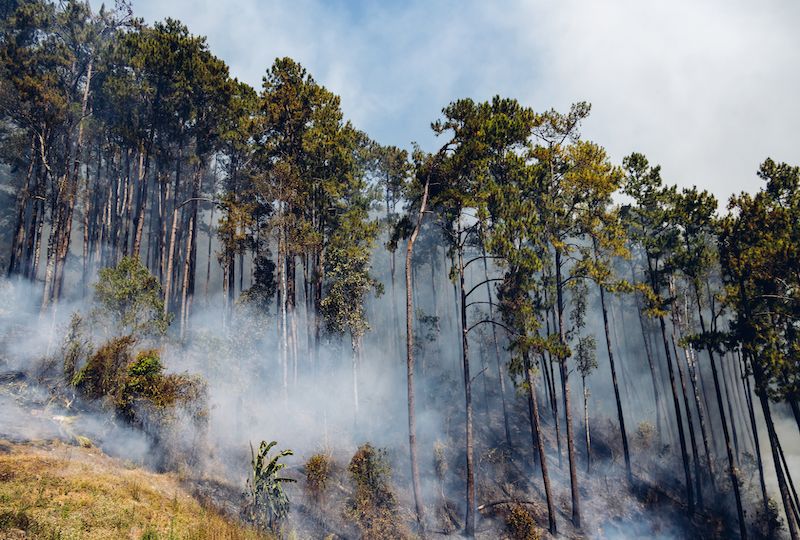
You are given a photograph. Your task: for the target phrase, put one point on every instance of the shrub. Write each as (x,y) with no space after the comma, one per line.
(318,468)
(373,505)
(104,370)
(521,525)
(646,434)
(140,393)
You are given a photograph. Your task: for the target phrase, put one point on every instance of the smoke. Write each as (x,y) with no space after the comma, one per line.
(309,404)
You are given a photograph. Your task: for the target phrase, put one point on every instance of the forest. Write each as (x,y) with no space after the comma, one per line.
(511,336)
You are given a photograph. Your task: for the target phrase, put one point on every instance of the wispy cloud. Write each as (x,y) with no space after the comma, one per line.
(707,89)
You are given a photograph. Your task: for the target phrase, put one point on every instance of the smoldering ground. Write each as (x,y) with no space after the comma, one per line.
(309,406)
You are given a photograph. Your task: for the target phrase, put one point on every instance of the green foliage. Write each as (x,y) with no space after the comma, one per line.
(104,372)
(586,355)
(268,503)
(137,388)
(759,245)
(128,299)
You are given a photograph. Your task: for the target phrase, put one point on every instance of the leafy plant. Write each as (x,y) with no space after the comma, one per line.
(268,504)
(128,297)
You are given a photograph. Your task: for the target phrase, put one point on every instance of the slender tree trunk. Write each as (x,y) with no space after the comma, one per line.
(586,425)
(791,521)
(553,398)
(185,285)
(698,477)
(573,473)
(538,443)
(731,415)
(22,204)
(500,375)
(469,522)
(650,363)
(617,397)
(678,418)
(788,473)
(732,469)
(412,418)
(756,442)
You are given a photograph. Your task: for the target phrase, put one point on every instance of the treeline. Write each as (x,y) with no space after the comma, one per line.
(138,138)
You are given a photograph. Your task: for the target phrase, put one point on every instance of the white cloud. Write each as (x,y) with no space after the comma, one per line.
(707,89)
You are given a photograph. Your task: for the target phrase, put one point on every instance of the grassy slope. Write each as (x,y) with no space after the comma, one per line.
(59,491)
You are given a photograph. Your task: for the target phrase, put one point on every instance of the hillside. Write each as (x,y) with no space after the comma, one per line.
(53,490)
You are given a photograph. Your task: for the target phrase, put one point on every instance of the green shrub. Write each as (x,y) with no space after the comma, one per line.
(103,374)
(140,393)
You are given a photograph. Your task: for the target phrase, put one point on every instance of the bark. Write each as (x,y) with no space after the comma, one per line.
(756,443)
(538,443)
(412,418)
(500,375)
(573,474)
(690,424)
(185,285)
(22,204)
(469,522)
(779,472)
(732,469)
(586,425)
(617,397)
(677,410)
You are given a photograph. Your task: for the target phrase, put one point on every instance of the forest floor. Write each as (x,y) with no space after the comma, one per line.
(56,482)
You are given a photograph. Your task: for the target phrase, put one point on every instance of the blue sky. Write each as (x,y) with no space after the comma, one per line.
(708,89)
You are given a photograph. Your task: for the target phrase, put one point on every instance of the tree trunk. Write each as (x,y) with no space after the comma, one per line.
(698,477)
(732,469)
(22,204)
(773,439)
(500,374)
(538,443)
(586,425)
(412,418)
(677,410)
(469,522)
(617,398)
(573,474)
(756,442)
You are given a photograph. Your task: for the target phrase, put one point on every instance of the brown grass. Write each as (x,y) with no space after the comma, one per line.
(72,492)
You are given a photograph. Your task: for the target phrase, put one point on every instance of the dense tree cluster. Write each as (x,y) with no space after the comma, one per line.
(137,139)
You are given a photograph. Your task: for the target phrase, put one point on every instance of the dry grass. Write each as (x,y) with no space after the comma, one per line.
(71,492)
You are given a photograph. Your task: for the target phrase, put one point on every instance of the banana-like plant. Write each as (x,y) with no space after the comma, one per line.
(268,503)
